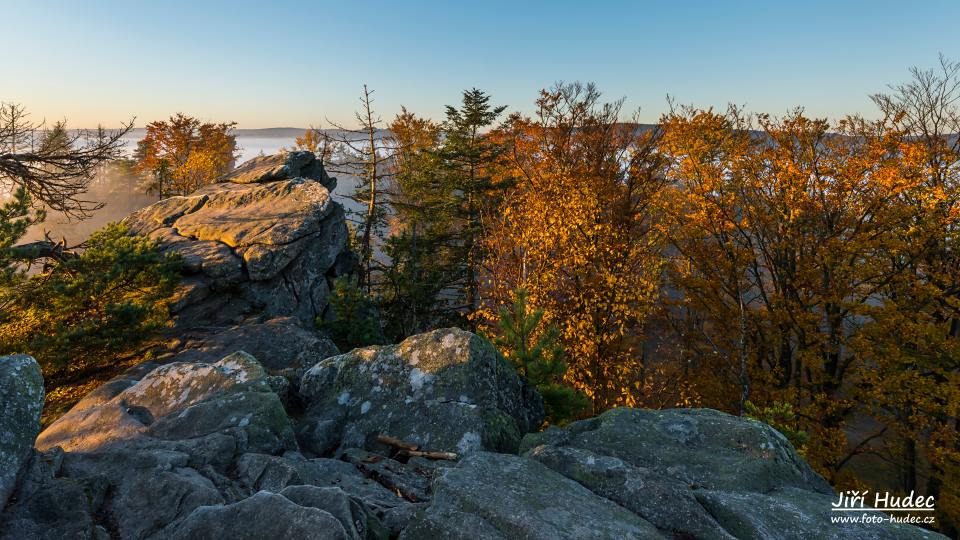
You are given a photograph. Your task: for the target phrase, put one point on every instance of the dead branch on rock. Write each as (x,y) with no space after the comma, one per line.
(410,449)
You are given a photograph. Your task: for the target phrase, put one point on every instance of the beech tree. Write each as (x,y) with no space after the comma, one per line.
(812,264)
(576,231)
(917,389)
(182,154)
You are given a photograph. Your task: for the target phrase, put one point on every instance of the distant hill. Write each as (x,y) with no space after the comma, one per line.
(263,133)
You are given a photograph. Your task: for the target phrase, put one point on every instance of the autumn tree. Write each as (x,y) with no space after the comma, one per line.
(917,388)
(182,154)
(793,244)
(576,231)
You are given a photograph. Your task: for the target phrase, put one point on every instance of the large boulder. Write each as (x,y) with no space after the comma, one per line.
(51,507)
(21,396)
(446,390)
(264,241)
(192,450)
(700,473)
(700,447)
(665,502)
(355,518)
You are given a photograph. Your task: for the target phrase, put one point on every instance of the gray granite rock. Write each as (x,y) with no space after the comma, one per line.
(502,496)
(446,390)
(21,399)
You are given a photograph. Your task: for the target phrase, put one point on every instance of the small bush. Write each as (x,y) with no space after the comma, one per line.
(535,351)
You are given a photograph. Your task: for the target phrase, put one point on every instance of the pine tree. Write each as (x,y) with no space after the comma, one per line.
(88,306)
(535,351)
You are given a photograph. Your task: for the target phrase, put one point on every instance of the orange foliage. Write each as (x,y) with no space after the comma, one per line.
(183,154)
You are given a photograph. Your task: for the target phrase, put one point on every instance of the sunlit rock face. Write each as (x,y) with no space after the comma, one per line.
(171,399)
(21,401)
(266,240)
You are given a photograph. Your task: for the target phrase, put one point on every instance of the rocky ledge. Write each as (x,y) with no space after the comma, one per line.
(266,241)
(252,425)
(227,449)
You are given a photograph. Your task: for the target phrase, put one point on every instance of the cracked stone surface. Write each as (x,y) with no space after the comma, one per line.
(265,241)
(196,448)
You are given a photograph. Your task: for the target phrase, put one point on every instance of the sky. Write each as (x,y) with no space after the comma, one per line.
(296,63)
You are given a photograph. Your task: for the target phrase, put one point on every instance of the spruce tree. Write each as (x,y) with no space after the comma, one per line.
(467,155)
(419,289)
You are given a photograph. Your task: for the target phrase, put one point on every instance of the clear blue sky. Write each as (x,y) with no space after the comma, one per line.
(276,63)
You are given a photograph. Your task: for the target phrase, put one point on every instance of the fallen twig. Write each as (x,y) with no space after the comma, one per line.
(410,449)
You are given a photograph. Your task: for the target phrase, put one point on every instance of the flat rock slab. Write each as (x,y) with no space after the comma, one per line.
(499,496)
(700,447)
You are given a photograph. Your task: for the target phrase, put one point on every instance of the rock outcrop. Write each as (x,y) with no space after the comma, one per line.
(21,396)
(181,400)
(200,449)
(175,449)
(630,473)
(699,473)
(262,242)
